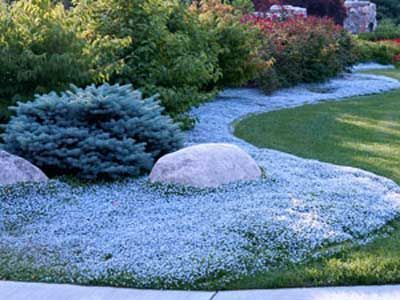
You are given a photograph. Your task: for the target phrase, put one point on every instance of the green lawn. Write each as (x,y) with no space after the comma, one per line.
(391,73)
(363,132)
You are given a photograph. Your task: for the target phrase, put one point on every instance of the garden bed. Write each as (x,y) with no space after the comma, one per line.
(131,233)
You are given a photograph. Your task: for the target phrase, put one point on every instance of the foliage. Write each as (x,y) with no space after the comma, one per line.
(384,52)
(388,9)
(43,48)
(246,6)
(238,42)
(105,131)
(321,8)
(303,50)
(5,113)
(174,51)
(39,49)
(386,30)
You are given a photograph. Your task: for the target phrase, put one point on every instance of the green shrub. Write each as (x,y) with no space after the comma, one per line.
(246,6)
(169,53)
(238,43)
(39,49)
(388,9)
(386,30)
(105,131)
(182,54)
(380,52)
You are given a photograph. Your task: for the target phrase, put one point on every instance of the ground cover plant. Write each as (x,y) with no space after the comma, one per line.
(141,235)
(96,132)
(138,234)
(360,132)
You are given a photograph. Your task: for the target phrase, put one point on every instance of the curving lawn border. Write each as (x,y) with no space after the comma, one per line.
(133,234)
(362,132)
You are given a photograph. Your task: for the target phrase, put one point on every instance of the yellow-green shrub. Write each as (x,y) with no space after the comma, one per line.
(39,49)
(183,54)
(381,52)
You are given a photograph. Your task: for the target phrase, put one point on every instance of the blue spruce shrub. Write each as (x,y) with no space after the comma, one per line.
(95,132)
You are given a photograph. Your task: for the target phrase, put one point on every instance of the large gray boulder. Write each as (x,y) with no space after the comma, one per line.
(205,165)
(14,169)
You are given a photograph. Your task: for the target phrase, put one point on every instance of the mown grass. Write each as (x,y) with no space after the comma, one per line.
(375,263)
(363,132)
(394,73)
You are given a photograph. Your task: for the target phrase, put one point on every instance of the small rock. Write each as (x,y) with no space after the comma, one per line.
(14,169)
(205,165)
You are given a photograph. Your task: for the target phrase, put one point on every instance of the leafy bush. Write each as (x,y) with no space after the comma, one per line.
(388,9)
(384,52)
(169,54)
(39,49)
(386,30)
(105,131)
(182,54)
(303,50)
(321,8)
(238,43)
(246,6)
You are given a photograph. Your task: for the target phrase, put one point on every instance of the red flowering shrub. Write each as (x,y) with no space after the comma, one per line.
(303,50)
(321,8)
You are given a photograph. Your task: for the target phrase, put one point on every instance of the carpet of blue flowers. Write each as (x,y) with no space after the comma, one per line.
(169,236)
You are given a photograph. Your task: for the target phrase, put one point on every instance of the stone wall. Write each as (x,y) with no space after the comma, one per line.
(361,16)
